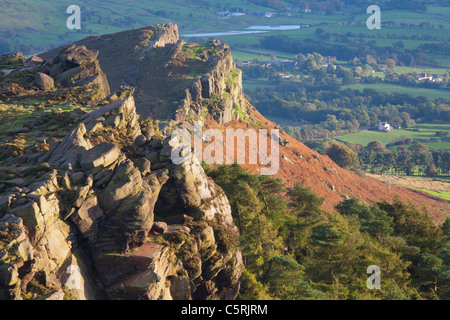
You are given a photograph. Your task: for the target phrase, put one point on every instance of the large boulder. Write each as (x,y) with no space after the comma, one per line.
(120,114)
(44,81)
(99,157)
(126,181)
(35,59)
(79,56)
(87,214)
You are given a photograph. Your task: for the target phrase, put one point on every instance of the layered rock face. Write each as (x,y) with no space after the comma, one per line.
(166,35)
(114,218)
(75,66)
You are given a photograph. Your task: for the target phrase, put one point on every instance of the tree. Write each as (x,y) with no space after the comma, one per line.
(343,156)
(390,64)
(418,148)
(286,282)
(376,146)
(431,170)
(251,288)
(374,221)
(300,59)
(358,71)
(404,161)
(253,206)
(406,119)
(421,154)
(310,65)
(427,271)
(294,250)
(303,200)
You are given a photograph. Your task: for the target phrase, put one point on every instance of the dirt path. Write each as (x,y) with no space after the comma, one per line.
(413,183)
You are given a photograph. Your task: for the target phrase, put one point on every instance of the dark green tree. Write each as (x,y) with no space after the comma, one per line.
(343,156)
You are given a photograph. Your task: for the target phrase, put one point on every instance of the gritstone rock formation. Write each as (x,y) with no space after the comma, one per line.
(86,226)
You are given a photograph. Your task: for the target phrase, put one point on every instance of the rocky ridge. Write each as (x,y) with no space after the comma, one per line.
(175,81)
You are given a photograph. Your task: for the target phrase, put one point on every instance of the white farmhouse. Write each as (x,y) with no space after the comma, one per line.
(384,126)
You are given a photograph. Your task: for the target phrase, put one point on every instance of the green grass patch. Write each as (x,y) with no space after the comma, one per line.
(282,121)
(440,178)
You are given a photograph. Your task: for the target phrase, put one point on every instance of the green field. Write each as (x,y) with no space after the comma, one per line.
(435,71)
(247,56)
(415,70)
(441,194)
(427,131)
(283,121)
(253,84)
(441,178)
(414,91)
(260,54)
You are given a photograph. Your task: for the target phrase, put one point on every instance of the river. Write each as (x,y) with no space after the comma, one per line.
(249,30)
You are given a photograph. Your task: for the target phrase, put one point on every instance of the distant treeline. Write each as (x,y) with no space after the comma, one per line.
(405,160)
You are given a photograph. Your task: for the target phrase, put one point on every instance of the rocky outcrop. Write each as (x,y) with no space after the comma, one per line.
(12,59)
(165,35)
(223,82)
(118,54)
(70,74)
(75,66)
(115,218)
(103,212)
